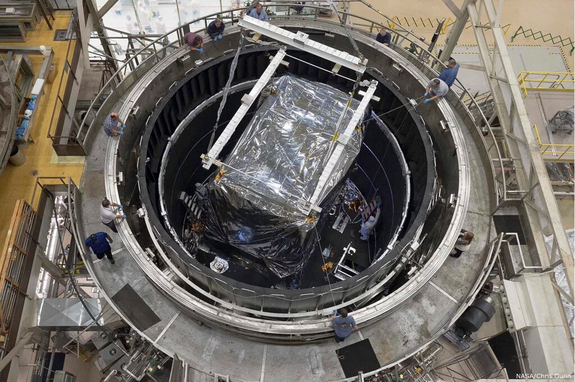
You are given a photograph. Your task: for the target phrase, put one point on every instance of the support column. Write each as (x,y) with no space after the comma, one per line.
(84,21)
(539,169)
(98,26)
(456,31)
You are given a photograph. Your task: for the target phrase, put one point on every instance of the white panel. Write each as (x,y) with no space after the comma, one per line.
(335,156)
(517,305)
(310,46)
(242,110)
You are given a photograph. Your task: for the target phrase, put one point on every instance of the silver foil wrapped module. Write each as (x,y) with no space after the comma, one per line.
(258,203)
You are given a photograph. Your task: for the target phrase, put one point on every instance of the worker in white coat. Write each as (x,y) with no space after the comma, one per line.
(368,226)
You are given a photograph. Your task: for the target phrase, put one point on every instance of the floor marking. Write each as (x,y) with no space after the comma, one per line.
(166,328)
(444,292)
(118,250)
(360,335)
(264,363)
(315,363)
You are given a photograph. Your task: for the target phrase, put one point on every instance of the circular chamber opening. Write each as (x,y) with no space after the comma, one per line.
(249,219)
(235,226)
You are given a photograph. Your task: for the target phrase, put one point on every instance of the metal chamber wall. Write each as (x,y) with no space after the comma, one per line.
(196,86)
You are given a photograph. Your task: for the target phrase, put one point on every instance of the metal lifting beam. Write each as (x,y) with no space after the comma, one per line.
(247,101)
(342,141)
(302,41)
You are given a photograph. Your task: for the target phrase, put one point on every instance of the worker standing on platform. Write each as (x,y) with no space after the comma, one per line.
(383,37)
(194,41)
(259,13)
(462,244)
(368,226)
(450,73)
(342,325)
(98,242)
(216,29)
(436,89)
(113,125)
(108,214)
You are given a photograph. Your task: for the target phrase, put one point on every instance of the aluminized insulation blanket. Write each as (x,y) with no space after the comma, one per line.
(258,205)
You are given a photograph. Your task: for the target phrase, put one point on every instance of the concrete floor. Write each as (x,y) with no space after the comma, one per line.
(394,336)
(18,182)
(548,16)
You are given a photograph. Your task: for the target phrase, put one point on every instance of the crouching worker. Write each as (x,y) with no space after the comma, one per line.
(194,41)
(216,29)
(462,244)
(435,89)
(113,125)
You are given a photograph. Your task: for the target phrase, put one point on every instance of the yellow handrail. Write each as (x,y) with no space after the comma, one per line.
(555,152)
(556,81)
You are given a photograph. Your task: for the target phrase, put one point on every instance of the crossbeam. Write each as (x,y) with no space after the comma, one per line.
(302,41)
(342,141)
(247,101)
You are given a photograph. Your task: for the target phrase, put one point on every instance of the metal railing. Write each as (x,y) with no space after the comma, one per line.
(555,152)
(60,113)
(407,38)
(493,249)
(175,38)
(404,41)
(12,267)
(421,22)
(545,81)
(428,22)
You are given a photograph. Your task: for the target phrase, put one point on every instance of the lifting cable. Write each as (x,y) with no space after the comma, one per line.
(356,82)
(320,68)
(347,32)
(399,107)
(371,7)
(227,87)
